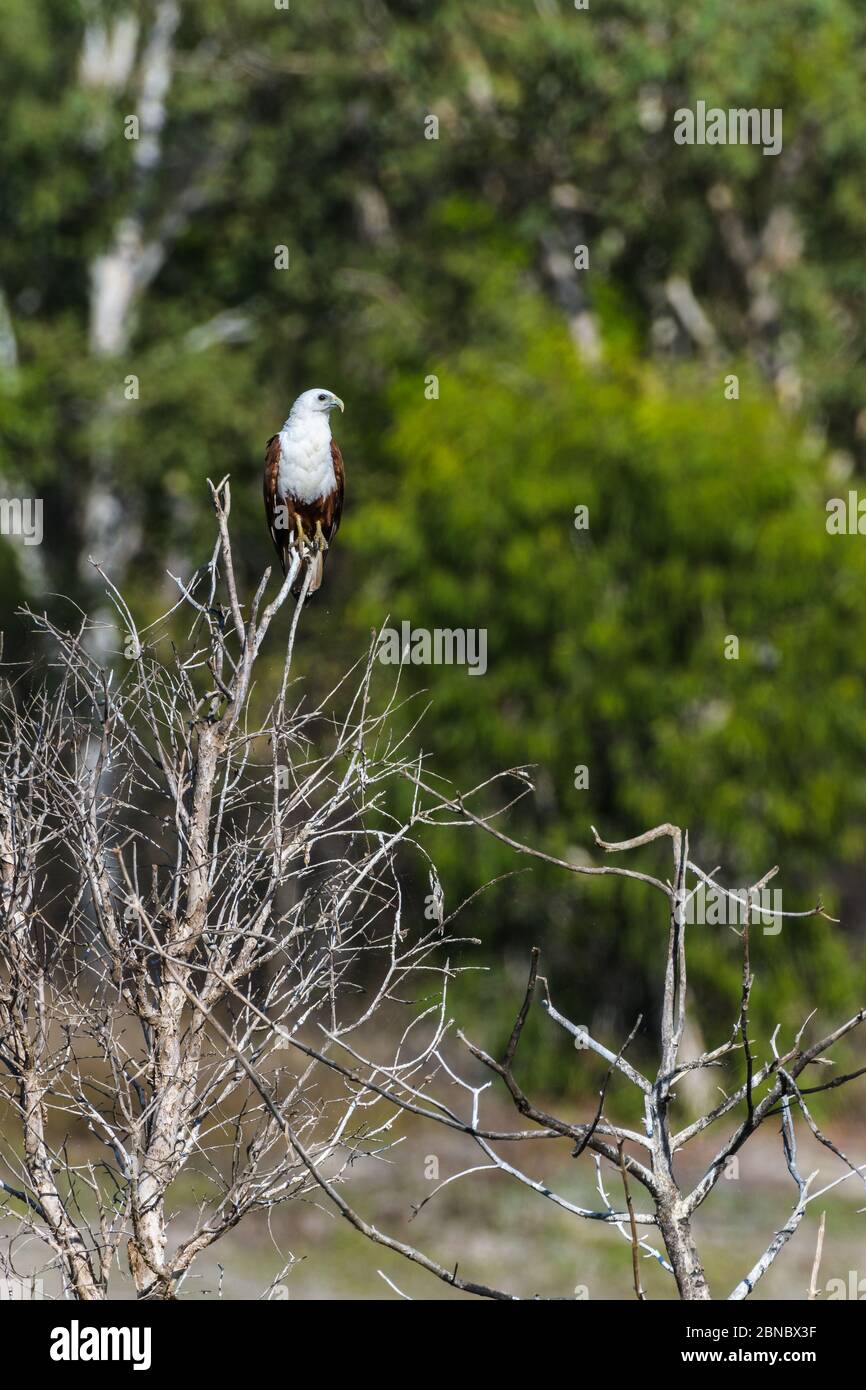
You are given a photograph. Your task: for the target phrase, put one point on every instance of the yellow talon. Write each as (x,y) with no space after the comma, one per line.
(320,538)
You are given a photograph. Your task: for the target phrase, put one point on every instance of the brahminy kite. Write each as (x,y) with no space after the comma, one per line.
(303,484)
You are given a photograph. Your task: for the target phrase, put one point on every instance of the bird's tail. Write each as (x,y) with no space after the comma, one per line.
(317,561)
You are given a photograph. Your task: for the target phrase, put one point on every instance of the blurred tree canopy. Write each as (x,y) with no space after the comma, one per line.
(148,340)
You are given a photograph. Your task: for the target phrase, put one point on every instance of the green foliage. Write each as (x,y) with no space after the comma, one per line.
(410,256)
(607,645)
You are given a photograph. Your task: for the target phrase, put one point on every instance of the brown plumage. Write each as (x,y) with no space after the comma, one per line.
(284,512)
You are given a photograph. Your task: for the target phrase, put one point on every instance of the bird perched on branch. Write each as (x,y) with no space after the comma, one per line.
(303,485)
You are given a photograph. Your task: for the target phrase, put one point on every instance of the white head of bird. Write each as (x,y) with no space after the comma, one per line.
(316,401)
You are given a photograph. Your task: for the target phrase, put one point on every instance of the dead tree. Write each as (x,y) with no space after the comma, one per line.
(636,1157)
(187,887)
(201,923)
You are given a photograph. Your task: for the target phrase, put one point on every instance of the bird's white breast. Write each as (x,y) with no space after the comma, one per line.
(306,467)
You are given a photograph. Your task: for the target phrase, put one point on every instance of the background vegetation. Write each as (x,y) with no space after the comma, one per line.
(603,387)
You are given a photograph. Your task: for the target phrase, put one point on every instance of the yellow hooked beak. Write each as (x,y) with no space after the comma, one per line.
(338,402)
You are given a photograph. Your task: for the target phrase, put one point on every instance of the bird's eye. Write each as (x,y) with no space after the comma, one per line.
(322,396)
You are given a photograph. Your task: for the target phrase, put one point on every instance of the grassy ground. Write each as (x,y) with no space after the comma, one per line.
(500,1232)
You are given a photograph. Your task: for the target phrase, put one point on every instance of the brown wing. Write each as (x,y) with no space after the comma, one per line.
(279,534)
(334,504)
